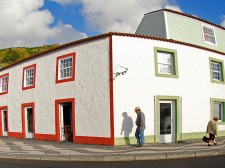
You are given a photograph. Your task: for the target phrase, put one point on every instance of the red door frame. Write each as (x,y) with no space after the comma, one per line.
(57,116)
(1,128)
(23,106)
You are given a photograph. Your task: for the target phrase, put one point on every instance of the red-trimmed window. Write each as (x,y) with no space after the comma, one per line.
(65,68)
(4,81)
(29,76)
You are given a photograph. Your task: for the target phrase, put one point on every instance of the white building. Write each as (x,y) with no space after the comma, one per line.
(93,85)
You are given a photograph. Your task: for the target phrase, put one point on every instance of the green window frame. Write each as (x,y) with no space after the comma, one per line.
(221,101)
(173,65)
(213,61)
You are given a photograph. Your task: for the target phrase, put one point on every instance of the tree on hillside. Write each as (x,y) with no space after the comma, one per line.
(11,56)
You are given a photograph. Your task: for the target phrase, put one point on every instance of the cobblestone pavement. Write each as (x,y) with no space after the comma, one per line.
(65,151)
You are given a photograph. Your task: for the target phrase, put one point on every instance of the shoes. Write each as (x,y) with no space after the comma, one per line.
(209,145)
(140,145)
(215,143)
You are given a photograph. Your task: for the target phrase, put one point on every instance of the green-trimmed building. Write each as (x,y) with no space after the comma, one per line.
(179,26)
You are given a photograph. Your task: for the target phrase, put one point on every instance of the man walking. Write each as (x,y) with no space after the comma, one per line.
(140,122)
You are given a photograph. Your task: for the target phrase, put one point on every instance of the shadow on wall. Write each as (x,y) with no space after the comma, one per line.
(127,126)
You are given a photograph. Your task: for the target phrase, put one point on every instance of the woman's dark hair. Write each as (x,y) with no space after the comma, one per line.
(215,118)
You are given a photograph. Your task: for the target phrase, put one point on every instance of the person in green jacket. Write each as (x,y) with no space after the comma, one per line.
(212,130)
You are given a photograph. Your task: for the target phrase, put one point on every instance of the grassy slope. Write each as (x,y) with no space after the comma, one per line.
(10,55)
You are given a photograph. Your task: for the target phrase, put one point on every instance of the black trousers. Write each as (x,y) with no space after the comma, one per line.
(211,136)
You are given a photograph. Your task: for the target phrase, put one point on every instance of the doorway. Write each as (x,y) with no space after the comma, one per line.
(167,121)
(4,122)
(66,122)
(29,122)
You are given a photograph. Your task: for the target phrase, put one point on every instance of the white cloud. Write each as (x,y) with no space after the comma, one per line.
(223,22)
(117,15)
(24,24)
(176,8)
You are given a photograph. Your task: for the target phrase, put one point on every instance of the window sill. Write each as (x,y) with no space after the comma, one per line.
(221,123)
(217,81)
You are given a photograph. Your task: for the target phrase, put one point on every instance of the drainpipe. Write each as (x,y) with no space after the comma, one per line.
(155,116)
(181,118)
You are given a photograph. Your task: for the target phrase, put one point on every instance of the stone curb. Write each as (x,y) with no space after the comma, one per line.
(116,157)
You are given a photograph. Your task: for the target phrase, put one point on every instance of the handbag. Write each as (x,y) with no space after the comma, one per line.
(205,139)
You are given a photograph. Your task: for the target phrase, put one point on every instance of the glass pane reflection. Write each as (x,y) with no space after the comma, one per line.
(165,118)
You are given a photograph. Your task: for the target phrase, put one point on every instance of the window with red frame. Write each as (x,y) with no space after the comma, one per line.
(4,84)
(29,75)
(65,68)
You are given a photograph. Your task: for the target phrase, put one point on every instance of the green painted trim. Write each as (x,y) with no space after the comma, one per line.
(175,62)
(150,139)
(132,140)
(212,100)
(198,135)
(222,66)
(177,101)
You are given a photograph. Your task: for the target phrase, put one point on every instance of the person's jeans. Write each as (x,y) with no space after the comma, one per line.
(139,134)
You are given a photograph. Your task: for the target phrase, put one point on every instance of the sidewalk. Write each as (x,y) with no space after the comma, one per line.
(63,151)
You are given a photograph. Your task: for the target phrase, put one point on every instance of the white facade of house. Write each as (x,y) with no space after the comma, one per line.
(140,86)
(99,94)
(88,94)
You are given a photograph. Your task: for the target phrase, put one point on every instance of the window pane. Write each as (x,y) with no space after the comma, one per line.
(29,73)
(3,84)
(209,35)
(218,110)
(216,71)
(65,68)
(165,118)
(165,63)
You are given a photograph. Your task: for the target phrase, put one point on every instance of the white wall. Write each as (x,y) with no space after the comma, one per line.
(139,85)
(90,90)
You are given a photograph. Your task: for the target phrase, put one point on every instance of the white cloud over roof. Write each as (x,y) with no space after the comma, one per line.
(223,21)
(116,15)
(23,23)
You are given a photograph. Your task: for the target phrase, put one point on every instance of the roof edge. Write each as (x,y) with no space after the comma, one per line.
(189,16)
(168,40)
(115,34)
(56,48)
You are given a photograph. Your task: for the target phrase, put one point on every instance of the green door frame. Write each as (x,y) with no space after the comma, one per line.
(177,114)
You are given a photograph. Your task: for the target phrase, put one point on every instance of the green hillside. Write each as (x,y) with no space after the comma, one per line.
(10,55)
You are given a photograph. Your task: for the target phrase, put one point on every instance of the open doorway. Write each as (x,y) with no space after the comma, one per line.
(65,119)
(66,122)
(4,122)
(28,120)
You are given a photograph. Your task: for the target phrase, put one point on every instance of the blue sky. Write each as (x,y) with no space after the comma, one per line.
(38,22)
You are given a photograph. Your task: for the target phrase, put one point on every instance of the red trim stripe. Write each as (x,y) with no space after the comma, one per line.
(15,134)
(93,140)
(47,137)
(111,89)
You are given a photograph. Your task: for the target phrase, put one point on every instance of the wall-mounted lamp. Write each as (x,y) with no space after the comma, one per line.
(119,73)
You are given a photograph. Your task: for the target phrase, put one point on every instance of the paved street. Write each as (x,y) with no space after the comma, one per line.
(205,162)
(29,149)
